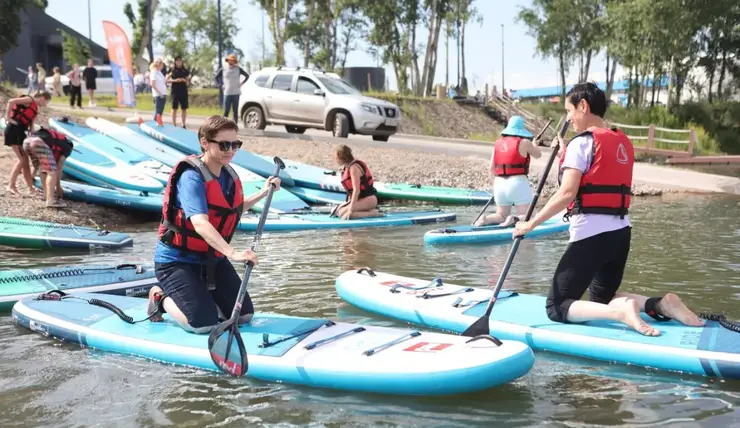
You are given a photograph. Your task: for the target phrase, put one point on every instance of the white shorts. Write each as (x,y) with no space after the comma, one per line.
(510,191)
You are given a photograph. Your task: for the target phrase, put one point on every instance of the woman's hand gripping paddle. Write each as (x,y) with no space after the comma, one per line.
(485,207)
(233,360)
(480,327)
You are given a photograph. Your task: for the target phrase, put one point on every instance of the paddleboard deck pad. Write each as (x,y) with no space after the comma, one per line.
(314,352)
(22,233)
(126,279)
(712,350)
(492,233)
(287,222)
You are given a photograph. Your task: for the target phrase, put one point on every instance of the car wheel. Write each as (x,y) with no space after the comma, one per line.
(253,118)
(295,129)
(341,125)
(380,137)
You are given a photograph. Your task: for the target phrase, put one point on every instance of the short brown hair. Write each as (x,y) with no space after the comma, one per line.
(344,153)
(213,125)
(44,94)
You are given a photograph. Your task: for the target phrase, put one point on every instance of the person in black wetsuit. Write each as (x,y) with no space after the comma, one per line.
(179,77)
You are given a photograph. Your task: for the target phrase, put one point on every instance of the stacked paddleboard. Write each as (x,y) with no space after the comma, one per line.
(21,233)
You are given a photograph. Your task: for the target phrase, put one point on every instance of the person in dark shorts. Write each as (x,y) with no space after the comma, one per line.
(20,118)
(75,87)
(595,181)
(90,74)
(358,182)
(203,202)
(179,77)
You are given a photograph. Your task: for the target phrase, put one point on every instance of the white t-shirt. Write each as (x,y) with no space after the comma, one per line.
(159,83)
(579,155)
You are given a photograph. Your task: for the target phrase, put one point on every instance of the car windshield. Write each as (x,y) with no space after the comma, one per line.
(336,86)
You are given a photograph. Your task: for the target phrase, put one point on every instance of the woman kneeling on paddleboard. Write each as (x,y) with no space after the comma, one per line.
(509,170)
(595,181)
(203,202)
(358,181)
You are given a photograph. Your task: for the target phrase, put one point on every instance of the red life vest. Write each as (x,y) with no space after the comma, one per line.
(25,114)
(366,180)
(58,143)
(178,232)
(606,186)
(506,157)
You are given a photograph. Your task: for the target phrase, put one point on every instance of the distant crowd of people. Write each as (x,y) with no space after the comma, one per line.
(36,81)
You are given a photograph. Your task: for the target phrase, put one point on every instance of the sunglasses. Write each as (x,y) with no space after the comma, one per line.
(224,145)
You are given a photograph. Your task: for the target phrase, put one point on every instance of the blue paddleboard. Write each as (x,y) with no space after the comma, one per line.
(288,222)
(491,233)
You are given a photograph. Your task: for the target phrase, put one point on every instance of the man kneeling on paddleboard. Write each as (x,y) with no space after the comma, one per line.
(595,182)
(203,202)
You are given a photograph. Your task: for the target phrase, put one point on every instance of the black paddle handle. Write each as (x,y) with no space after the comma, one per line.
(530,211)
(255,243)
(485,207)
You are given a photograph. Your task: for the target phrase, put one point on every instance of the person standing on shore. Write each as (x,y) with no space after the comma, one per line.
(509,170)
(20,117)
(75,87)
(228,77)
(595,183)
(90,74)
(159,89)
(57,83)
(179,77)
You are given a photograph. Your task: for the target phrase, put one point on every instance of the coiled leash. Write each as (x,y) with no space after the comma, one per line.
(59,295)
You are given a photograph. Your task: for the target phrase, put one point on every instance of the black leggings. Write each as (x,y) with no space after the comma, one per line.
(595,264)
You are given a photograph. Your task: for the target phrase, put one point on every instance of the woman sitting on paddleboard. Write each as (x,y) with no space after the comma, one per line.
(203,202)
(595,181)
(509,169)
(358,181)
(20,118)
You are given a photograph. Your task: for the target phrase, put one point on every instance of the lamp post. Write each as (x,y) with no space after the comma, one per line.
(502,60)
(220,53)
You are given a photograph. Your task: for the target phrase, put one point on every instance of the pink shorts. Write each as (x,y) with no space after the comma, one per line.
(40,154)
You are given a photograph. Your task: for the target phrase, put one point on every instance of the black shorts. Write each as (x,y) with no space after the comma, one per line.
(595,264)
(14,135)
(185,284)
(179,100)
(90,84)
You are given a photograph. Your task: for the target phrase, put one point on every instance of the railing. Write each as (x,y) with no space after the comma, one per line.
(653,140)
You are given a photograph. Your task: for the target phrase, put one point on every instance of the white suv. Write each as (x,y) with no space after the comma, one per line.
(104,81)
(301,98)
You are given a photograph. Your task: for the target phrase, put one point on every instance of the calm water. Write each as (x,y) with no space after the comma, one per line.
(690,245)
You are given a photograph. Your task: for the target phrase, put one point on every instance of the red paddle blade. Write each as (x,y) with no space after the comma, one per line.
(227,349)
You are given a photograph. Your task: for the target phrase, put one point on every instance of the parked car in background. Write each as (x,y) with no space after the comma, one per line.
(302,98)
(104,81)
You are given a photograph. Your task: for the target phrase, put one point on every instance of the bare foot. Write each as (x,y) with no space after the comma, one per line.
(510,221)
(672,307)
(153,306)
(375,213)
(12,190)
(631,317)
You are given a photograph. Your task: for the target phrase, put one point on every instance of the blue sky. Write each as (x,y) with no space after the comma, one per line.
(523,68)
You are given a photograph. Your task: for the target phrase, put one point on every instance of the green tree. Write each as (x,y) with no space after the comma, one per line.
(74,50)
(280,13)
(43,4)
(190,28)
(10,22)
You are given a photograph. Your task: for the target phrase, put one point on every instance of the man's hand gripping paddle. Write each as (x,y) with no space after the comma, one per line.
(233,359)
(485,207)
(480,327)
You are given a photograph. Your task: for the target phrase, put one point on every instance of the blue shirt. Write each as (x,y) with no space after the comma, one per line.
(191,197)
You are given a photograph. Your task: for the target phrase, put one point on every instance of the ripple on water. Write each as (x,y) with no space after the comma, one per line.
(689,246)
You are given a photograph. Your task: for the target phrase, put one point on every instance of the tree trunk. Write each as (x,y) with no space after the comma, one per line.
(629,88)
(580,66)
(464,80)
(722,70)
(430,59)
(447,55)
(308,33)
(656,77)
(415,61)
(589,53)
(671,74)
(561,60)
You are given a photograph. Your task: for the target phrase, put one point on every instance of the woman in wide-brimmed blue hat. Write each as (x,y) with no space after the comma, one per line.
(509,169)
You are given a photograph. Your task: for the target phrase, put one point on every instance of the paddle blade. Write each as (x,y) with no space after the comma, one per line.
(477,328)
(227,349)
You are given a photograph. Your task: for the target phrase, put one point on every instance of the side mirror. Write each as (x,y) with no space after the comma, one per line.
(318,92)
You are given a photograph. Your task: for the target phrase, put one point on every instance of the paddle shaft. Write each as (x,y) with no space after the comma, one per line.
(255,244)
(530,211)
(485,207)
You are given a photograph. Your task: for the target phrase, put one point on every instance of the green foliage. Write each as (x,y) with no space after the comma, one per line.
(190,28)
(74,50)
(10,22)
(138,24)
(43,4)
